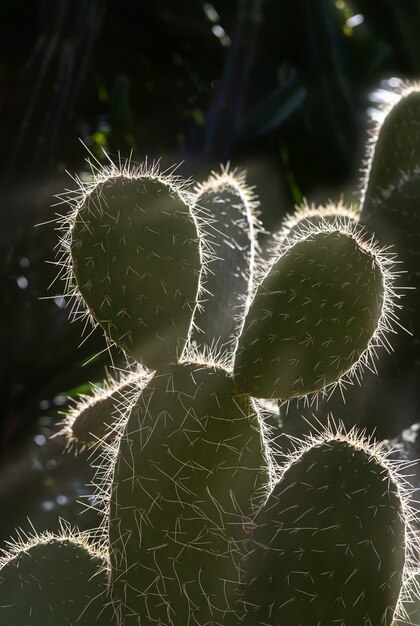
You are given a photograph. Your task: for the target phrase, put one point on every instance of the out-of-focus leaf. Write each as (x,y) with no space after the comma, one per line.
(276,109)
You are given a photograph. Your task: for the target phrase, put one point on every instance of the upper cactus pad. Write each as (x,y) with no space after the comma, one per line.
(136,257)
(318,310)
(395,147)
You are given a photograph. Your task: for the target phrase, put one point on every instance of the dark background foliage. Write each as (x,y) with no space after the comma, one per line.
(281,88)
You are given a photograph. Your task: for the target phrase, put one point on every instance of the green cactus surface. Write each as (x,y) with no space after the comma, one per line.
(191,468)
(313,316)
(310,215)
(93,419)
(54,581)
(233,230)
(395,148)
(136,258)
(395,218)
(328,546)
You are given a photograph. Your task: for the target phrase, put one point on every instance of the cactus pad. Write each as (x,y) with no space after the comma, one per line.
(232,205)
(318,310)
(395,147)
(136,258)
(328,546)
(54,581)
(94,418)
(189,461)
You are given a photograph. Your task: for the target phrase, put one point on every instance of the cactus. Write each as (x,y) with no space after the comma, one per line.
(288,350)
(330,543)
(233,206)
(190,465)
(124,218)
(203,522)
(306,215)
(93,417)
(49,579)
(390,200)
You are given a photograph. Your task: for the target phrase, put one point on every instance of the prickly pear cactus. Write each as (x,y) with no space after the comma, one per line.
(203,523)
(191,468)
(317,314)
(93,418)
(329,545)
(232,204)
(391,199)
(294,224)
(136,258)
(50,580)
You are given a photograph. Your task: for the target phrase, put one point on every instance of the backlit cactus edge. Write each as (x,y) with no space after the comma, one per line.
(202,524)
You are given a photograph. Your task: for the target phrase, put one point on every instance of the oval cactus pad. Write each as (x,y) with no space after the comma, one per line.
(328,546)
(136,258)
(314,316)
(54,581)
(191,464)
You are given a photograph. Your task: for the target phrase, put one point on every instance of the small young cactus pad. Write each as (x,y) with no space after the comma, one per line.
(320,308)
(54,581)
(329,545)
(136,256)
(191,467)
(93,418)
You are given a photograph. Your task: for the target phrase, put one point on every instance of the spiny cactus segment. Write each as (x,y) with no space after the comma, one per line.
(330,544)
(318,315)
(134,253)
(192,466)
(93,417)
(52,580)
(394,148)
(409,606)
(218,318)
(391,200)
